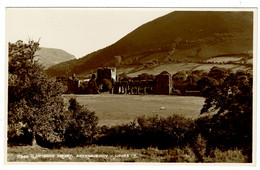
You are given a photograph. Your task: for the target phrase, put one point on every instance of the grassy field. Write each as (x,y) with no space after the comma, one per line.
(171,68)
(232,67)
(176,67)
(120,109)
(224,59)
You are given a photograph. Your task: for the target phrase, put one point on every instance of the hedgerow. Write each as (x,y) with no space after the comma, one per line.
(150,131)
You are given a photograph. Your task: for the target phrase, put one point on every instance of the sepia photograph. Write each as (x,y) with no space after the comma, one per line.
(130,85)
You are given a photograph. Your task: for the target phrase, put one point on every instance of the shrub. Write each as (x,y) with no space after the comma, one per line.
(186,154)
(197,153)
(167,132)
(81,126)
(199,147)
(225,132)
(229,156)
(150,131)
(107,85)
(71,128)
(178,154)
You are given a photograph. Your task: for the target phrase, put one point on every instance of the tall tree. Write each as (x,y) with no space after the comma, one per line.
(230,97)
(33,98)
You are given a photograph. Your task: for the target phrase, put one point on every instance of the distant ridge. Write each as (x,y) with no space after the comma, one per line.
(180,35)
(51,56)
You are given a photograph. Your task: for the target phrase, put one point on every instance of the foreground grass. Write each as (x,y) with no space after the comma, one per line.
(117,154)
(83,154)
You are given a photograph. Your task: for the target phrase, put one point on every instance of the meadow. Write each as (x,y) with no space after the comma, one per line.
(224,59)
(122,109)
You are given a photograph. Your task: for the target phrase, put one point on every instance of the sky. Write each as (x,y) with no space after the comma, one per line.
(79,31)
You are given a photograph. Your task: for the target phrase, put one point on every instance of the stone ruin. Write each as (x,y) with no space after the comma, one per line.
(73,84)
(162,84)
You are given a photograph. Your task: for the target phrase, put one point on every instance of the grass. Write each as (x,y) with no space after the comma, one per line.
(176,67)
(224,59)
(85,154)
(232,67)
(171,68)
(122,109)
(118,154)
(79,154)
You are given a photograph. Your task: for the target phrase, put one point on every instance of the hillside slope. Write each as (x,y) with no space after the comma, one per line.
(178,36)
(51,56)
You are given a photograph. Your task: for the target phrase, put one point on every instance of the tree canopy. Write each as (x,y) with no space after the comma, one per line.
(229,96)
(36,107)
(227,92)
(34,99)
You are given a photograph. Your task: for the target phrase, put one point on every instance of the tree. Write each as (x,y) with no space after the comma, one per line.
(81,126)
(145,76)
(118,60)
(106,85)
(34,100)
(229,96)
(124,76)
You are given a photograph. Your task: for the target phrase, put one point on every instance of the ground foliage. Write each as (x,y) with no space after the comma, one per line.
(81,126)
(150,132)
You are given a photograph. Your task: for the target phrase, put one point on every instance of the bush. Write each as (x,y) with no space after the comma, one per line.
(180,155)
(74,127)
(225,132)
(167,132)
(229,156)
(81,126)
(197,153)
(150,131)
(107,85)
(186,154)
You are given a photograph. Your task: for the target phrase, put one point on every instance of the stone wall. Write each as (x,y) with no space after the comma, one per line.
(163,84)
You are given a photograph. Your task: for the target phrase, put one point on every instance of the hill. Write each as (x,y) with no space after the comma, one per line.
(51,56)
(181,36)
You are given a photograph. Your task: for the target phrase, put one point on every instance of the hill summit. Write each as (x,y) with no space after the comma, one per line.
(51,56)
(179,36)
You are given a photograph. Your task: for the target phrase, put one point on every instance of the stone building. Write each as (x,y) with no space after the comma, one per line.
(133,87)
(73,84)
(106,78)
(92,86)
(160,84)
(106,73)
(163,83)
